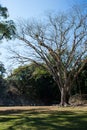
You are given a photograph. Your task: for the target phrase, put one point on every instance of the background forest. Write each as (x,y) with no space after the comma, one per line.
(33,85)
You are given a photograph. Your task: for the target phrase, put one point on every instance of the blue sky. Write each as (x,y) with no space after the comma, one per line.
(28,8)
(32,8)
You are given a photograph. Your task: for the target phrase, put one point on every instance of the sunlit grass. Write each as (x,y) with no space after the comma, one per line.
(43,118)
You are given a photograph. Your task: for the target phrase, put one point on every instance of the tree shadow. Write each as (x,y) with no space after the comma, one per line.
(37,119)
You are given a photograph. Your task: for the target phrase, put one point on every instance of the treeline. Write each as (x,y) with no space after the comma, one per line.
(33,85)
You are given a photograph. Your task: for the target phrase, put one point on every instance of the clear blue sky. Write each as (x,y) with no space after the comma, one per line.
(28,8)
(33,8)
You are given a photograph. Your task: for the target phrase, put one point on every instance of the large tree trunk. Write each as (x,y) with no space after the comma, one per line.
(64,97)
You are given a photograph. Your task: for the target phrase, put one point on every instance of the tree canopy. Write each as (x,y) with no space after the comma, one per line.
(7,27)
(60,43)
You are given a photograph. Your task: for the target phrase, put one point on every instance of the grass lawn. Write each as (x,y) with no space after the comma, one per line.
(43,118)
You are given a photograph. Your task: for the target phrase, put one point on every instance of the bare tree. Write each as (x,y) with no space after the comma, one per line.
(60,42)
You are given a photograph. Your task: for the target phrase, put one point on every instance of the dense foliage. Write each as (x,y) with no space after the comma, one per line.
(7,31)
(3,84)
(35,83)
(7,27)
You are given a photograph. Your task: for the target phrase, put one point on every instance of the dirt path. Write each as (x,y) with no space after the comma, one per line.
(43,108)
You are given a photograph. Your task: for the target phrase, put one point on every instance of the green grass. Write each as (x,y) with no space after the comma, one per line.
(41,118)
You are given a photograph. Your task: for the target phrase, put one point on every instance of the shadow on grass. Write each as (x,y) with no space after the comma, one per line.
(43,120)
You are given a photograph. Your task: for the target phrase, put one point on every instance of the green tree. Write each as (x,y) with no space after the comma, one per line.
(46,89)
(35,84)
(2,70)
(82,81)
(2,81)
(22,79)
(7,31)
(7,27)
